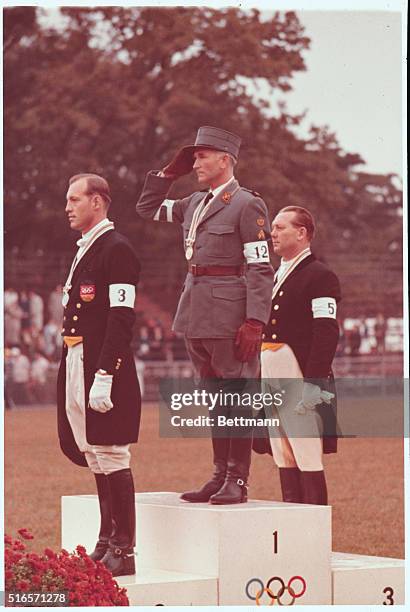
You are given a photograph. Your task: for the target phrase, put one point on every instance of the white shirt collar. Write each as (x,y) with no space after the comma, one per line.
(289,262)
(83,241)
(285,265)
(217,190)
(95,228)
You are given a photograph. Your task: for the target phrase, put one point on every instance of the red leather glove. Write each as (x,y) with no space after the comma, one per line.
(248,340)
(180,165)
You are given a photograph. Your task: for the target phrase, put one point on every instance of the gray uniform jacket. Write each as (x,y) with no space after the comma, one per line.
(233,232)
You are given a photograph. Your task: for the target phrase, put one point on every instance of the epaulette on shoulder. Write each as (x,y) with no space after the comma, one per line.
(252,191)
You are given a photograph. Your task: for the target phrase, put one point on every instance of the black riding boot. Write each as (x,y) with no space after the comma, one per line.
(202,495)
(119,558)
(235,487)
(106,526)
(290,482)
(314,488)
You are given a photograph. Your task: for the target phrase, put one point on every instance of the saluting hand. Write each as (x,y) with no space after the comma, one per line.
(100,393)
(181,164)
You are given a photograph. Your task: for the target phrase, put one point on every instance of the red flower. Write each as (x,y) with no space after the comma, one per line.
(25,534)
(36,580)
(87,583)
(23,585)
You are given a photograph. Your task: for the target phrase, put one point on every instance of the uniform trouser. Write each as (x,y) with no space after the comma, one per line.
(297,442)
(101,459)
(217,366)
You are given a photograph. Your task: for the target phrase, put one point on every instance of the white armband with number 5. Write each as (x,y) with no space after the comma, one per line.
(324,308)
(122,294)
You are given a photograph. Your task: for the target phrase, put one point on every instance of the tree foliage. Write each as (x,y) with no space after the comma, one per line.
(118,90)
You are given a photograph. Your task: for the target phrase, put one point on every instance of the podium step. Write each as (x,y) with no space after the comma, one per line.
(244,546)
(161,588)
(259,552)
(366,580)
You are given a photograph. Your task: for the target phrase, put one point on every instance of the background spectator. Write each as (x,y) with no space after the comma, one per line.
(38,378)
(54,305)
(36,309)
(354,340)
(380,333)
(20,376)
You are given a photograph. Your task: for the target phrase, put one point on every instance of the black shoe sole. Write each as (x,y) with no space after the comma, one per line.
(195,501)
(225,503)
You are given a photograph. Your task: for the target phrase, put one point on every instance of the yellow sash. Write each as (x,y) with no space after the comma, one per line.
(71,341)
(272,346)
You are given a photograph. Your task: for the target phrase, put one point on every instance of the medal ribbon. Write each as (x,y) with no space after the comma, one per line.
(297,261)
(80,254)
(197,217)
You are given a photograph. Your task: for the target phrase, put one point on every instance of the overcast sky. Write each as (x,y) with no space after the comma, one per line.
(353,82)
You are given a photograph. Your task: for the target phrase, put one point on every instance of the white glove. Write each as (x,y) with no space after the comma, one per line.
(100,393)
(312,395)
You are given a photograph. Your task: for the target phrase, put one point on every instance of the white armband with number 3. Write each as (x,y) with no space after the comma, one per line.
(122,294)
(256,252)
(324,308)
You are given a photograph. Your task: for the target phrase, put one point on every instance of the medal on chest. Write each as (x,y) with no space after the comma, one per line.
(65,297)
(189,252)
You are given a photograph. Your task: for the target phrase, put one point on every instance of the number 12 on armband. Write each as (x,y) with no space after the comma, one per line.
(261,251)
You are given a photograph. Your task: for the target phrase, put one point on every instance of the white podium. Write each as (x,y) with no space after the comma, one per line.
(244,545)
(367,580)
(258,553)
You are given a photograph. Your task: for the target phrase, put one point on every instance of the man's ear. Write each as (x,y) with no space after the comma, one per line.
(96,201)
(302,233)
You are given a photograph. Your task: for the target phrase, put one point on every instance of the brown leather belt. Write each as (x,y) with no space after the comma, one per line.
(215,270)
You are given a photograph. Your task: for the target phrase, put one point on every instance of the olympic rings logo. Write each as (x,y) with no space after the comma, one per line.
(283,588)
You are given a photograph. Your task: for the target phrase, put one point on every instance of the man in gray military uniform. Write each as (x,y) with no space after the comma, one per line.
(226,299)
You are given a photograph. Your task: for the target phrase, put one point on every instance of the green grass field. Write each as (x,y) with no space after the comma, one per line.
(365,480)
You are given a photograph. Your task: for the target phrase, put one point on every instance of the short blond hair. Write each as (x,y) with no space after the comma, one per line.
(96,184)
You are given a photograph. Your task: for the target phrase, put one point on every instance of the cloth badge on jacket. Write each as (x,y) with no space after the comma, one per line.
(87,292)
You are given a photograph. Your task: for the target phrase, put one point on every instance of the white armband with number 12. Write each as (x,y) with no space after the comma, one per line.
(122,294)
(324,308)
(256,252)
